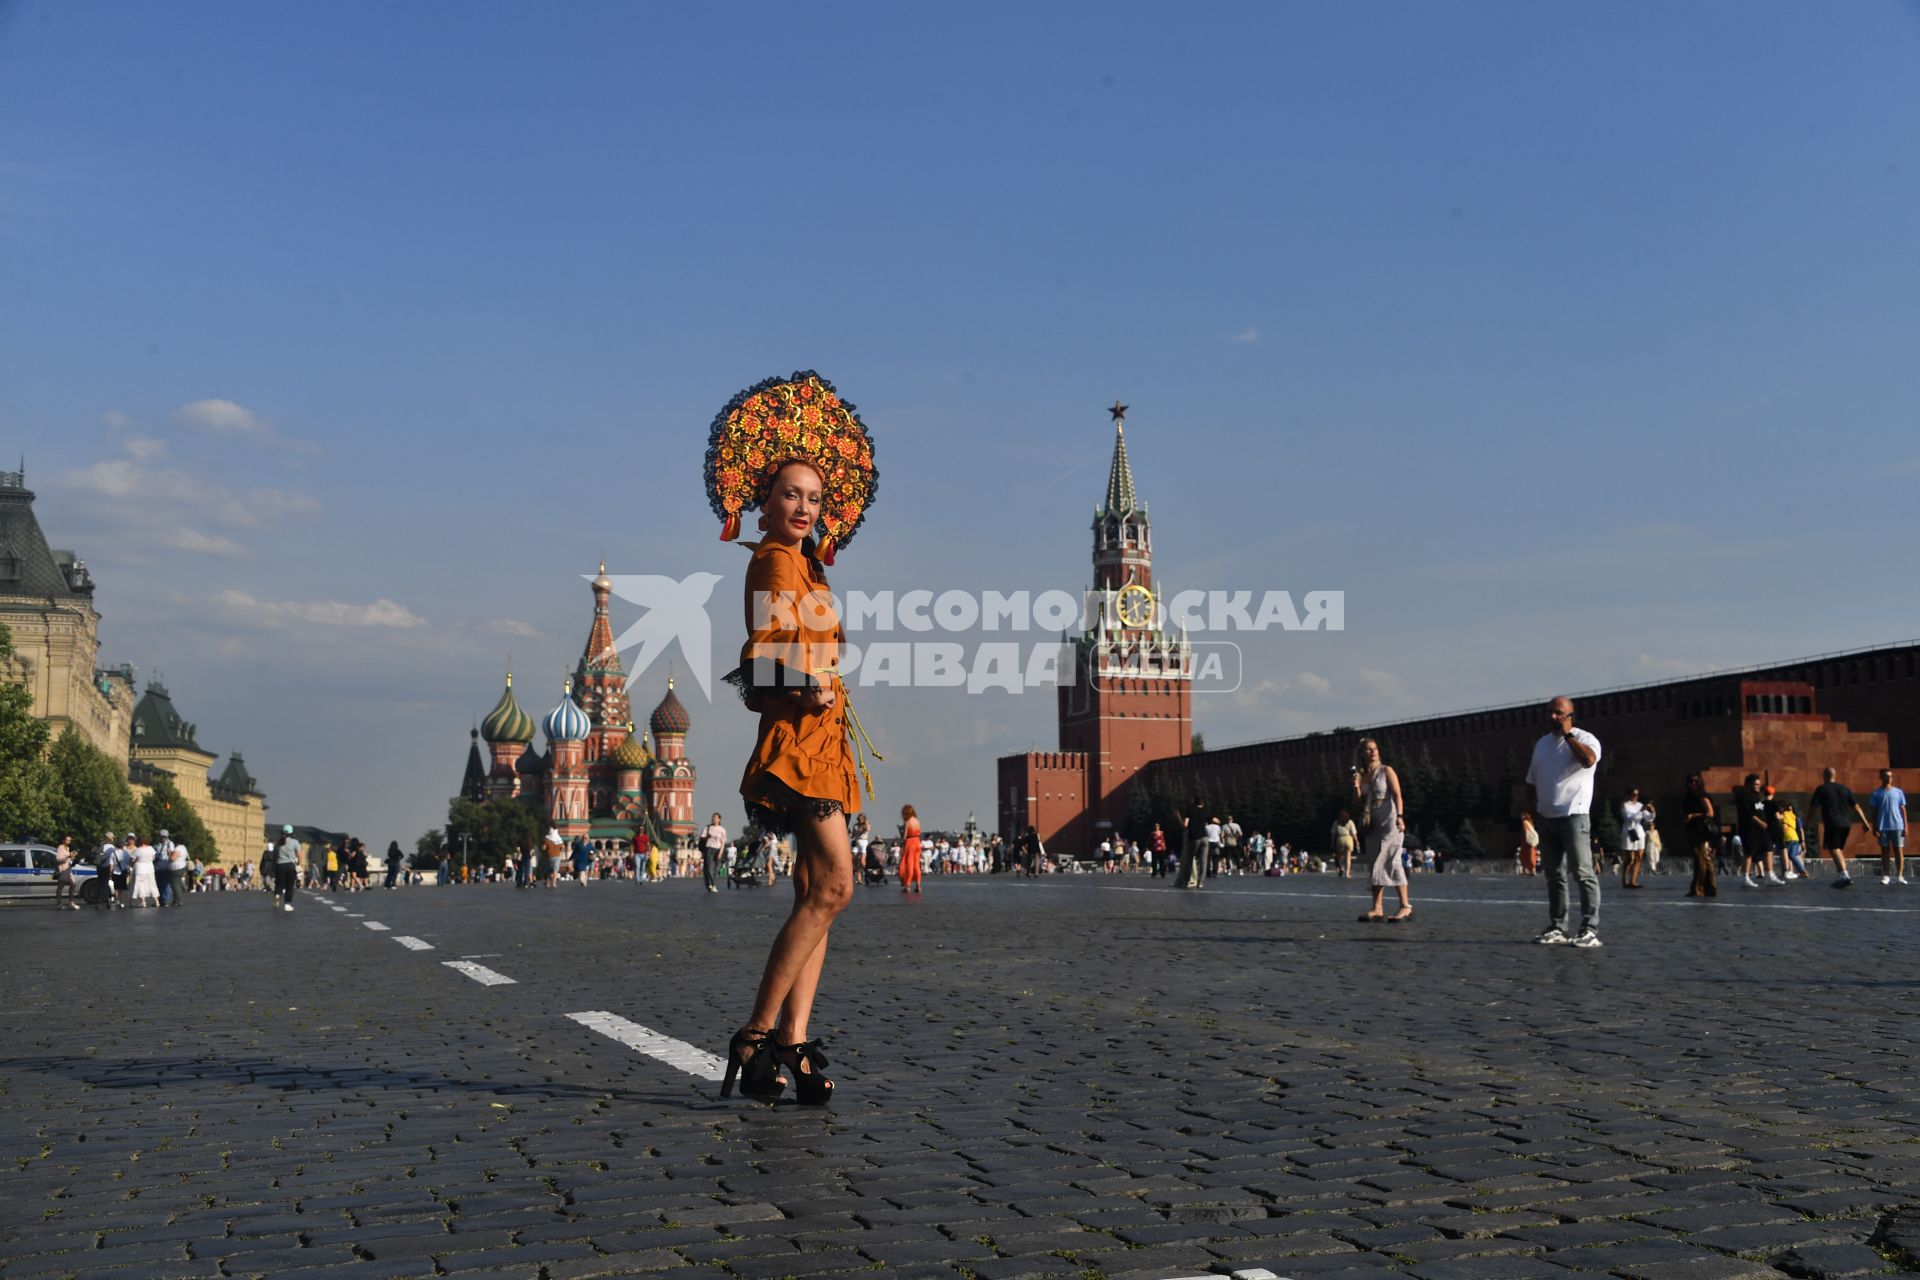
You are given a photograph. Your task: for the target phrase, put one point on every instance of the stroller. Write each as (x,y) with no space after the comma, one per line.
(873,867)
(749,868)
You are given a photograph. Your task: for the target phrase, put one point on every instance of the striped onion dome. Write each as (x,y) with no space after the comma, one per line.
(567,722)
(670,716)
(507,722)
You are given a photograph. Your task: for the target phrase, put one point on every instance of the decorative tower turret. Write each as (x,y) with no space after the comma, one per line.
(507,730)
(672,791)
(599,680)
(630,761)
(473,784)
(567,727)
(1131,699)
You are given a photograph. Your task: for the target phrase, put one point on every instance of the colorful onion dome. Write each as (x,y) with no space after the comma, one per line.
(670,716)
(507,722)
(567,722)
(601,581)
(633,753)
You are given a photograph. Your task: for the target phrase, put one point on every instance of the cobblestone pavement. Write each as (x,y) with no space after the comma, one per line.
(1079,1077)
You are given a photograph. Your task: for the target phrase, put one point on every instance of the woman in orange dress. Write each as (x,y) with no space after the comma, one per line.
(793,449)
(909,850)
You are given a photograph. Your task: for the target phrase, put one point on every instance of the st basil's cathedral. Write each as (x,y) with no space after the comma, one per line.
(596,778)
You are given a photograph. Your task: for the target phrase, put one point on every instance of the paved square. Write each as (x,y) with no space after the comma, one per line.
(1078,1077)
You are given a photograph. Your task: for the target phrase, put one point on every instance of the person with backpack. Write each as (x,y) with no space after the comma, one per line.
(286,869)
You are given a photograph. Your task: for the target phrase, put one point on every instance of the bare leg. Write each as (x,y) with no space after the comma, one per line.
(822,887)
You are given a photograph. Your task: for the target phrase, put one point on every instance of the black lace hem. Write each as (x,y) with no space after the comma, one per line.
(779,808)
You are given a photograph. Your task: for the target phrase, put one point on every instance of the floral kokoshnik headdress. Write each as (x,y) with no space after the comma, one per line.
(782,420)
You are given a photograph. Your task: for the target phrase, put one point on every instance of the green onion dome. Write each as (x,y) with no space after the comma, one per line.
(507,722)
(633,753)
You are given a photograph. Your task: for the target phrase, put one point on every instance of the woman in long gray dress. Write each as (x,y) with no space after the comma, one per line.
(1376,791)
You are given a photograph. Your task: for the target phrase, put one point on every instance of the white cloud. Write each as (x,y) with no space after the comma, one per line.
(160,496)
(1314,684)
(329,613)
(512,627)
(1378,684)
(1649,667)
(116,420)
(144,448)
(226,418)
(206,544)
(1248,334)
(222,417)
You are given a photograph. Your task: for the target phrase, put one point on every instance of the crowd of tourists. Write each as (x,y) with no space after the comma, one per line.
(135,872)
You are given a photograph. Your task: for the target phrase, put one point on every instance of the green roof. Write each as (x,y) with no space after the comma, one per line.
(28,566)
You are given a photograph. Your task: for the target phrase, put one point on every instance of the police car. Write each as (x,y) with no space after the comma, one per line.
(26,874)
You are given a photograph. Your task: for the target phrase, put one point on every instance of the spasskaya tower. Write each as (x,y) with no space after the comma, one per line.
(1130,696)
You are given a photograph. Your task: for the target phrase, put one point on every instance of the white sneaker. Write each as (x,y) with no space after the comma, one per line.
(287,907)
(1587,938)
(1793,875)
(1886,879)
(1900,880)
(1774,879)
(1750,882)
(1553,938)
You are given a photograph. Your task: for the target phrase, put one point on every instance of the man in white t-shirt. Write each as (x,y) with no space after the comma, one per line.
(1560,780)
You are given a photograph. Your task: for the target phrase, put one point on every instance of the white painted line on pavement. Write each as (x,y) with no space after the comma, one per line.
(1251,1273)
(412,943)
(374,925)
(479,973)
(675,1053)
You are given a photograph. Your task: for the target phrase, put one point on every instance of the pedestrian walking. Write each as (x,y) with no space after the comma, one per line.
(122,874)
(712,841)
(394,861)
(1834,805)
(163,867)
(1560,786)
(1792,848)
(1346,838)
(1703,832)
(911,855)
(1888,804)
(1754,808)
(63,884)
(1376,795)
(796,452)
(286,869)
(146,885)
(1633,839)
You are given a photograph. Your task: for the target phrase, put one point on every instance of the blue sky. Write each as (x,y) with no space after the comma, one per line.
(1575,343)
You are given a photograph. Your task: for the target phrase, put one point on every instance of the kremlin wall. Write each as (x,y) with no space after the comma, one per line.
(1125,726)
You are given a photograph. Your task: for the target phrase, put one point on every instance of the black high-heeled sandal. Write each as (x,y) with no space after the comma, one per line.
(804,1059)
(751,1060)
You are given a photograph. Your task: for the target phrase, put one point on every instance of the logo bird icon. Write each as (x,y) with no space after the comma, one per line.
(673,610)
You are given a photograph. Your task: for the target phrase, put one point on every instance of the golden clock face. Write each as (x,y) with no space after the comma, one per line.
(1135,605)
